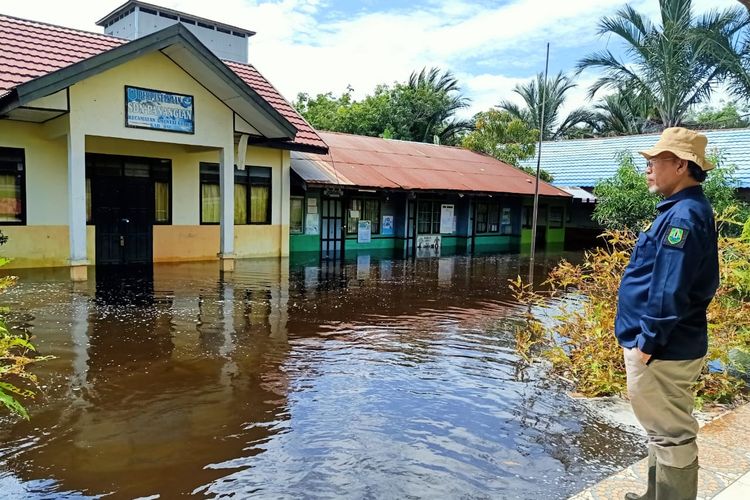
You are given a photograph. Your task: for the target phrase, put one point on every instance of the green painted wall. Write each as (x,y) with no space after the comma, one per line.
(386,243)
(556,235)
(494,243)
(304,243)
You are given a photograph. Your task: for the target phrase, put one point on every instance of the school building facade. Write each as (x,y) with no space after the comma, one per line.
(154,149)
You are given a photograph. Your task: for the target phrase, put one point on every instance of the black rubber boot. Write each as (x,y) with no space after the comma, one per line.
(651,487)
(673,483)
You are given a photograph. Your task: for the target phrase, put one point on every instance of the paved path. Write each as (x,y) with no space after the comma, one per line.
(724,454)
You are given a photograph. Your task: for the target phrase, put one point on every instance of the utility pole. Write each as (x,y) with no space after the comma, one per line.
(538,169)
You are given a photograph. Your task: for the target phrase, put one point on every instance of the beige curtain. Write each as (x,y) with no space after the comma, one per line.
(10,204)
(296,215)
(211,203)
(161,198)
(240,204)
(259,199)
(88,199)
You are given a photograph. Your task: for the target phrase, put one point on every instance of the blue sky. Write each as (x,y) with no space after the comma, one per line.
(326,45)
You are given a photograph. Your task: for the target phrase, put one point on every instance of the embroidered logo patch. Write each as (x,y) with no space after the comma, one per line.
(676,237)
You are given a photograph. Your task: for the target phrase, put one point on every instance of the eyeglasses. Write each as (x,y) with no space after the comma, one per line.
(650,163)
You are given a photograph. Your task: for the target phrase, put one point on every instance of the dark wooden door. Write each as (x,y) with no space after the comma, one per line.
(122,204)
(332,229)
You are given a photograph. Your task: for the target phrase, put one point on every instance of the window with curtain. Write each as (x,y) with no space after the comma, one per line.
(12,172)
(161,173)
(354,214)
(88,200)
(210,194)
(259,181)
(252,195)
(363,209)
(296,215)
(161,201)
(371,212)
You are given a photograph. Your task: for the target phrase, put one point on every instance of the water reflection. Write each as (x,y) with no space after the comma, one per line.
(375,378)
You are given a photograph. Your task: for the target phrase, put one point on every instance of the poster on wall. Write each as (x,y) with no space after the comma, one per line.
(154,109)
(387,228)
(446,219)
(312,224)
(428,245)
(363,231)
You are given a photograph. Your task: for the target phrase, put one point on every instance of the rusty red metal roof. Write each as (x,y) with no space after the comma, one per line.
(31,49)
(372,162)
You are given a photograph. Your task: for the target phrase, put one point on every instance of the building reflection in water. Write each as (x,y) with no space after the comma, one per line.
(165,373)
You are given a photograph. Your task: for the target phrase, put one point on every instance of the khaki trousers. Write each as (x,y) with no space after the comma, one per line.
(662,400)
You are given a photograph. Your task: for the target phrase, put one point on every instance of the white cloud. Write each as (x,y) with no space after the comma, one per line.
(298,48)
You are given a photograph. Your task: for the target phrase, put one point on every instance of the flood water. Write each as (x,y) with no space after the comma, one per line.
(374,379)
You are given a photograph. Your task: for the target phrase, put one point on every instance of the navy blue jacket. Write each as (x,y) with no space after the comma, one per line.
(671,278)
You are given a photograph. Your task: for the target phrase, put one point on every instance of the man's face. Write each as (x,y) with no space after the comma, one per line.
(663,173)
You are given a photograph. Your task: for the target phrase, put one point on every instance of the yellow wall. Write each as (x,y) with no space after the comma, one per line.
(97,110)
(40,246)
(46,172)
(98,103)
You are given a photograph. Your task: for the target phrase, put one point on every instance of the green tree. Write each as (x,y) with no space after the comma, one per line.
(669,63)
(552,94)
(623,201)
(325,111)
(726,45)
(420,109)
(727,116)
(623,112)
(430,100)
(505,137)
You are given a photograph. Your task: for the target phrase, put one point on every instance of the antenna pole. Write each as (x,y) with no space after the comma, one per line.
(543,93)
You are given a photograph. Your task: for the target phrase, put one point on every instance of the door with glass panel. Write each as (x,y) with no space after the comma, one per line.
(126,196)
(331,229)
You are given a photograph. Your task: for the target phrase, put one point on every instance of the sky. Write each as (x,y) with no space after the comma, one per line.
(318,46)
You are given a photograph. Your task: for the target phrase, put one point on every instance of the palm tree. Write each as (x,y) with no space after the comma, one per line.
(668,63)
(624,113)
(553,93)
(436,97)
(728,46)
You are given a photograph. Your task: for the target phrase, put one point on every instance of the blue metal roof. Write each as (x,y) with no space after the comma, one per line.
(584,162)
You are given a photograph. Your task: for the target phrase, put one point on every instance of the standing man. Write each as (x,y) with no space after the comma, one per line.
(661,312)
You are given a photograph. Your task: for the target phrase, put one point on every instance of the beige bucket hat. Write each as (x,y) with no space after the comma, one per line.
(684,144)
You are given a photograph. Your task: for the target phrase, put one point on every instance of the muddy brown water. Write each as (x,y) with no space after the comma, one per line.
(373,379)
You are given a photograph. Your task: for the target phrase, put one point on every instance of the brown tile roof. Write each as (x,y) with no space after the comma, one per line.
(372,162)
(30,49)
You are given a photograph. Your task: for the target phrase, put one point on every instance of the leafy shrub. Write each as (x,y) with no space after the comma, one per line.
(15,356)
(577,333)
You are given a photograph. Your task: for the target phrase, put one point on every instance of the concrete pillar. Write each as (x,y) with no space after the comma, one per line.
(285,199)
(77,204)
(226,186)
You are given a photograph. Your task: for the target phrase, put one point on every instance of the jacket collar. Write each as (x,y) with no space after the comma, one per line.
(690,192)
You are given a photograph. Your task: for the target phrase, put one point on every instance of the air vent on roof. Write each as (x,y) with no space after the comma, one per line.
(220,44)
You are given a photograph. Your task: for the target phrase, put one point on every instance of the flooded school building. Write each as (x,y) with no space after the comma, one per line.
(158,142)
